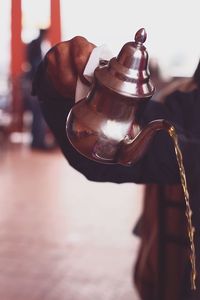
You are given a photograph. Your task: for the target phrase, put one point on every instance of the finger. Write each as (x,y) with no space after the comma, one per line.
(61,69)
(81,50)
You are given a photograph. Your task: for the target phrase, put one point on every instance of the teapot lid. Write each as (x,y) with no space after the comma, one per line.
(128,73)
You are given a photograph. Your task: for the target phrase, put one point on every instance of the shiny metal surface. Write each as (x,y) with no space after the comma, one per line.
(105,126)
(128,74)
(98,124)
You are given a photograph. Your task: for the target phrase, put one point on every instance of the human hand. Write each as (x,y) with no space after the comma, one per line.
(65,62)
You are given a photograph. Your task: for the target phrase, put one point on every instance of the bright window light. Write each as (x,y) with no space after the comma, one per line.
(172,39)
(35,16)
(5,18)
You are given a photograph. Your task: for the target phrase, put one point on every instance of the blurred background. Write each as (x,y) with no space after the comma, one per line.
(62,237)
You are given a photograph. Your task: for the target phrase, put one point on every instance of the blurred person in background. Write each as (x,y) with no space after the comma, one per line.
(35,51)
(55,86)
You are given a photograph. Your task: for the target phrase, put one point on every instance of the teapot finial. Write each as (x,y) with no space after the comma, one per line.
(141,36)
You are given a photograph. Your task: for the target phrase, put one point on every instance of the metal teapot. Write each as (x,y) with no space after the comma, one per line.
(105,126)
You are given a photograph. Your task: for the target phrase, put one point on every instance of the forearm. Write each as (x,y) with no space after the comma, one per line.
(55,109)
(155,166)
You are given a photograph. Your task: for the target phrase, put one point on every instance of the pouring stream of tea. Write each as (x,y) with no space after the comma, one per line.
(188,211)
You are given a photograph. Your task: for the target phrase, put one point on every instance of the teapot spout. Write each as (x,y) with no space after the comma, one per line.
(132,149)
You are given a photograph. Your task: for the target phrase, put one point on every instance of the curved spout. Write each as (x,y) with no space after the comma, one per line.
(132,149)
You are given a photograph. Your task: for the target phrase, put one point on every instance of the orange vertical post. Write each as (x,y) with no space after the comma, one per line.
(55,28)
(17,56)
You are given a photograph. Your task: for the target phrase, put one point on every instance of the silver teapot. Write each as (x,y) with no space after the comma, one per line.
(105,125)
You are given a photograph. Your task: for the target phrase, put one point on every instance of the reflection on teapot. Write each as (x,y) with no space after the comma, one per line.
(105,126)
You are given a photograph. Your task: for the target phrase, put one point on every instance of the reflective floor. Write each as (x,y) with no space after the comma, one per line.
(61,236)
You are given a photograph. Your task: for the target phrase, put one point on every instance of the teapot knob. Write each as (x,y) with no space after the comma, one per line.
(141,36)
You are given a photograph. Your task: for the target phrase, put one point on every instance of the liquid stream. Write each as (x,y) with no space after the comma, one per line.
(188,211)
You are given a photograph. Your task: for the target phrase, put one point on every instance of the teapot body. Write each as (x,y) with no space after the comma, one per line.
(98,124)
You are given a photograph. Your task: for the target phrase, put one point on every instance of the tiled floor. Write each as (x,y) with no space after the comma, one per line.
(61,236)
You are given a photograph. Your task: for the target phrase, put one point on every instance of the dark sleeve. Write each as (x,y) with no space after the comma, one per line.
(157,166)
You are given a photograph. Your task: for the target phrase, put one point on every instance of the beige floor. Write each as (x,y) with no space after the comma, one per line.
(61,236)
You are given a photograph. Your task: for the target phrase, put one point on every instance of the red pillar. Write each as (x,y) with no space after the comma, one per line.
(17,55)
(55,31)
